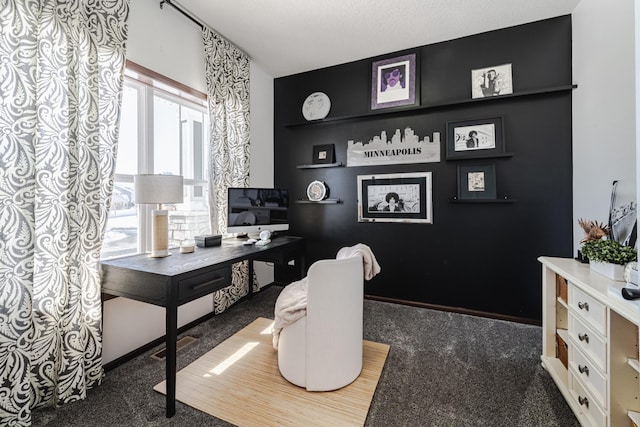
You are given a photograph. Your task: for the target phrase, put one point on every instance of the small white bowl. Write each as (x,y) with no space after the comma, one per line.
(187,247)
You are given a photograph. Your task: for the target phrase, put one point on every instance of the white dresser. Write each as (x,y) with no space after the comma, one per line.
(590,343)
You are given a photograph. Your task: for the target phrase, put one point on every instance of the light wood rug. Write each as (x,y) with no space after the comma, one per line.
(239,382)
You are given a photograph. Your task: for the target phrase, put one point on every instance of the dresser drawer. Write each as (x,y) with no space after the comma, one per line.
(588,341)
(590,376)
(587,403)
(591,310)
(195,286)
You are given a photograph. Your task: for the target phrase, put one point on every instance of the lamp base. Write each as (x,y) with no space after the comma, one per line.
(159,233)
(160,254)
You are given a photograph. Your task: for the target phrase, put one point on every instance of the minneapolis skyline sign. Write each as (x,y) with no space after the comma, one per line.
(402,148)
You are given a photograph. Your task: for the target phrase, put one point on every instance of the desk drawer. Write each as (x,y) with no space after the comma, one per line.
(201,284)
(284,254)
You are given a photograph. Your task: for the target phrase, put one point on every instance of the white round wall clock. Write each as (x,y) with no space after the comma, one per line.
(317,191)
(316,106)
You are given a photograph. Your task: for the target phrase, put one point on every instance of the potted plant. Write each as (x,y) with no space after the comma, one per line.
(608,257)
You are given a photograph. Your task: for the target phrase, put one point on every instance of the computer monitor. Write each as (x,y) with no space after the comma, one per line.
(252,210)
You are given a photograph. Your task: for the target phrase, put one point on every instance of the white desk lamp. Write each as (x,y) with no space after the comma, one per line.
(158,189)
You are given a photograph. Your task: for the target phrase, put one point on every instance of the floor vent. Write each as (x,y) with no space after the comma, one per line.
(180,344)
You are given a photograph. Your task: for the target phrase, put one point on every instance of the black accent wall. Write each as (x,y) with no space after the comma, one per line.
(477,256)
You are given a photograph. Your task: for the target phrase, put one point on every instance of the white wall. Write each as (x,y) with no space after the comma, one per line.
(261,105)
(261,90)
(604,112)
(168,43)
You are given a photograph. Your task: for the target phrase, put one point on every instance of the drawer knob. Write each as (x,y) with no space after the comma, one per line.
(583,306)
(583,369)
(583,401)
(583,337)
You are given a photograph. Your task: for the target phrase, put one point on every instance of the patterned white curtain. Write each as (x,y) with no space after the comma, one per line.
(61,68)
(227,75)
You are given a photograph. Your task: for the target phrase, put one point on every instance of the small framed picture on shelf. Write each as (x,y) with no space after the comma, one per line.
(475,138)
(476,182)
(491,81)
(402,197)
(395,82)
(323,154)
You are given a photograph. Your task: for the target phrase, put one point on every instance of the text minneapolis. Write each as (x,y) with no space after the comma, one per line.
(394,152)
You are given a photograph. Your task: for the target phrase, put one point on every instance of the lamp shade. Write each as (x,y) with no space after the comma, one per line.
(156,189)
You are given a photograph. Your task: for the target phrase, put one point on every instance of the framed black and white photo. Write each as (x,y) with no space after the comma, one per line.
(323,154)
(475,138)
(402,197)
(394,82)
(491,81)
(476,182)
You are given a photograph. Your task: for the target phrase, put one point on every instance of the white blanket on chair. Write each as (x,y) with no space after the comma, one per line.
(369,262)
(291,304)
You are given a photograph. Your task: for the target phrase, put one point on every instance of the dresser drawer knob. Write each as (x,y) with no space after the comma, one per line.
(583,306)
(583,369)
(583,401)
(583,337)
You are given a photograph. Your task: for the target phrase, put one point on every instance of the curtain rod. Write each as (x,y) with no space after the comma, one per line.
(195,21)
(191,18)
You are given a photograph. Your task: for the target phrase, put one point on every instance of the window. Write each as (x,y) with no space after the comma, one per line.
(163,130)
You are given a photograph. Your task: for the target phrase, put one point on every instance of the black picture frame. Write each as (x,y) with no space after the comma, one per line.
(477,182)
(401,197)
(403,71)
(489,138)
(323,154)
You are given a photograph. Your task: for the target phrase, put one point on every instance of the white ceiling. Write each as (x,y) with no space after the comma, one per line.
(286,37)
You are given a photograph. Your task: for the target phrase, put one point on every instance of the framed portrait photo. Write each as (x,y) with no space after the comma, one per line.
(491,81)
(476,182)
(475,138)
(394,82)
(402,197)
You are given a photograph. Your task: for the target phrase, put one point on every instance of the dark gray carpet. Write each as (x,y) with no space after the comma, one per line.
(443,369)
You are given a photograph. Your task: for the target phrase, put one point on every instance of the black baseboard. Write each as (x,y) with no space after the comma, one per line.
(460,310)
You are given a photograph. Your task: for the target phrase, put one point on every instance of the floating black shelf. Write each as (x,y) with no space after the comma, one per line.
(504,200)
(321,202)
(324,165)
(477,155)
(422,108)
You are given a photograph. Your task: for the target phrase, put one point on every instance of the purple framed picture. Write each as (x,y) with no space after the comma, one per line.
(394,82)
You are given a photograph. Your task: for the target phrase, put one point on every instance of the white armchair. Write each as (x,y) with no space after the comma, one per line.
(322,351)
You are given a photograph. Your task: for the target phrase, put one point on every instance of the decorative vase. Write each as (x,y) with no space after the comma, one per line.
(612,271)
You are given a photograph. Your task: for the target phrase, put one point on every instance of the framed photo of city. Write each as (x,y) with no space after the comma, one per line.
(475,138)
(394,82)
(491,81)
(402,197)
(476,182)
